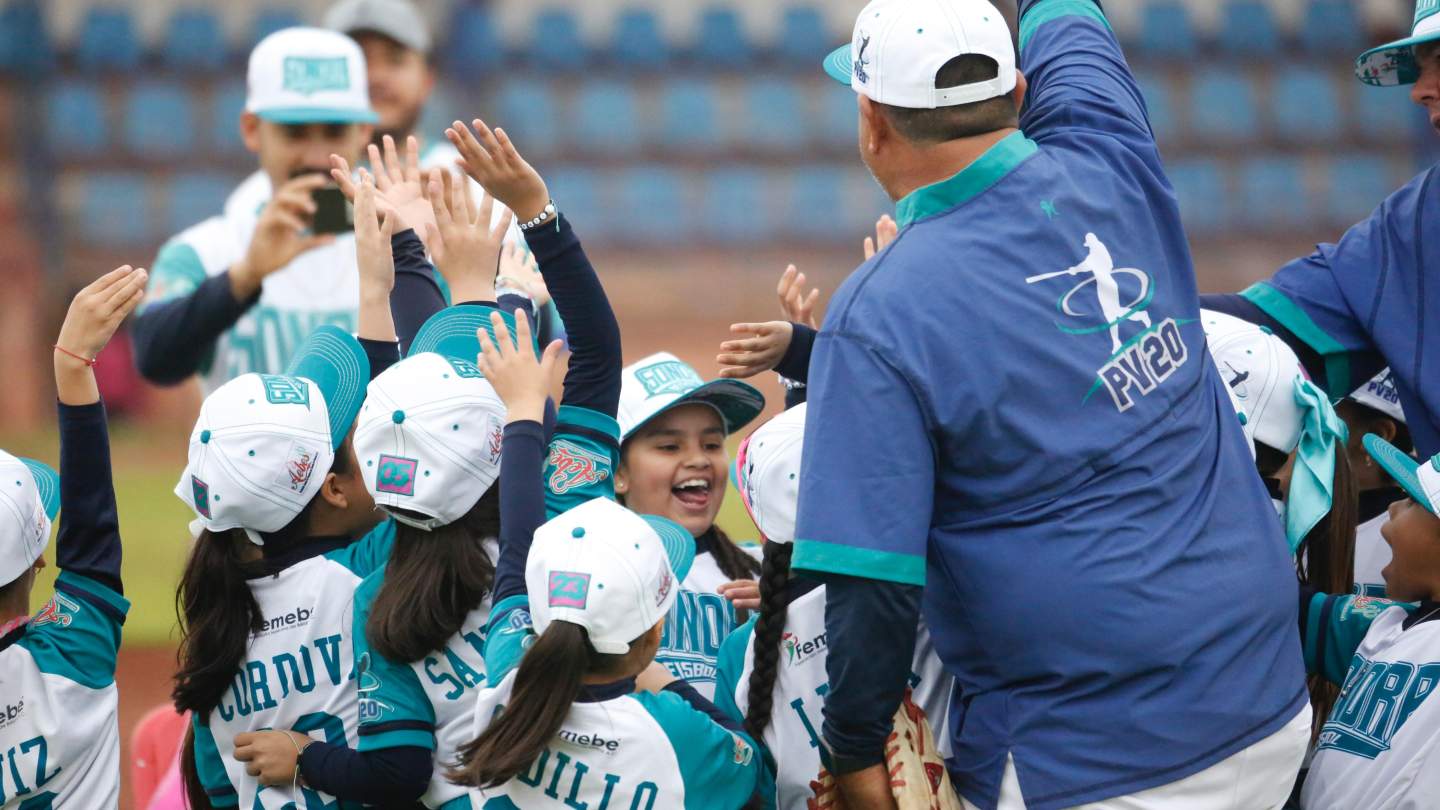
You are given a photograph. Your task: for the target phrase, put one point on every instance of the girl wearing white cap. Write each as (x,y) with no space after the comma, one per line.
(58,699)
(1373,408)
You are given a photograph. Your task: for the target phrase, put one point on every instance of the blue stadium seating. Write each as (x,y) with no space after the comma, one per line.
(577,192)
(159,120)
(1273,194)
(804,37)
(774,117)
(606,118)
(1160,103)
(1384,113)
(116,209)
(687,120)
(76,124)
(1223,107)
(1305,105)
(637,41)
(659,192)
(226,103)
(25,47)
(1166,31)
(474,44)
(1332,27)
(813,193)
(268,21)
(1200,189)
(195,196)
(736,205)
(107,41)
(1248,28)
(1358,182)
(193,42)
(526,108)
(720,40)
(838,121)
(556,42)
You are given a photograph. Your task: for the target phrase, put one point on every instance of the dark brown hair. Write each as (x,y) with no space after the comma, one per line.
(432,581)
(774,576)
(732,562)
(926,126)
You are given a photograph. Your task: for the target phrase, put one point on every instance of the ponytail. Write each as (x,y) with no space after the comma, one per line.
(217,614)
(774,575)
(733,562)
(1328,550)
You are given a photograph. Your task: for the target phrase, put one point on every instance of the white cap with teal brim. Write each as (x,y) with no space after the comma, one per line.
(1379,393)
(663,381)
(1420,480)
(1394,63)
(308,76)
(29,501)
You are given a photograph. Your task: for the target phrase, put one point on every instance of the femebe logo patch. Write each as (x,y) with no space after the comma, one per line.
(10,712)
(797,650)
(586,739)
(298,617)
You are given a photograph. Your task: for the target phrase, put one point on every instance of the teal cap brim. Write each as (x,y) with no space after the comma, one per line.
(679,544)
(837,65)
(47,483)
(319,115)
(1401,466)
(452,332)
(1393,63)
(337,364)
(738,403)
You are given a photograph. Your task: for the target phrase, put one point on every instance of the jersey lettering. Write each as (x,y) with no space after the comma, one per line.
(251,689)
(572,785)
(694,629)
(29,759)
(460,676)
(1377,699)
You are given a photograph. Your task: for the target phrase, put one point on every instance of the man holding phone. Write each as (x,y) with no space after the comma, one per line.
(238,292)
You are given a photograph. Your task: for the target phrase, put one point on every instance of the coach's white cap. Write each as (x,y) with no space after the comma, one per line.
(899,45)
(428,439)
(1260,371)
(265,442)
(1394,62)
(663,381)
(308,76)
(1379,394)
(767,474)
(29,500)
(396,19)
(607,569)
(1420,480)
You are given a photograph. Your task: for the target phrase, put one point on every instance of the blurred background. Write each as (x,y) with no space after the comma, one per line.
(695,144)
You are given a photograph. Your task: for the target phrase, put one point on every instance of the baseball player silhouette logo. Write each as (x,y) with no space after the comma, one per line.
(1103,274)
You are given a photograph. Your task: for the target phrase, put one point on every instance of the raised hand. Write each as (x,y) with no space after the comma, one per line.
(400,183)
(281,234)
(492,161)
(465,248)
(762,349)
(519,270)
(522,381)
(373,229)
(94,315)
(885,232)
(796,304)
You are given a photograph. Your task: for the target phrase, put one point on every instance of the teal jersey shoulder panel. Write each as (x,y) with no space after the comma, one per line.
(73,636)
(390,692)
(719,768)
(368,554)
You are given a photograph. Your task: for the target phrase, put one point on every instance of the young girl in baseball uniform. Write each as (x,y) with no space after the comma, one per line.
(59,744)
(1373,408)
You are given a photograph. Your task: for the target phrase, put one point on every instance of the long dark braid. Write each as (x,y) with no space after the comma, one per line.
(733,562)
(774,576)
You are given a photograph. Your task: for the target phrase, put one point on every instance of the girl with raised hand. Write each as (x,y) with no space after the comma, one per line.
(58,707)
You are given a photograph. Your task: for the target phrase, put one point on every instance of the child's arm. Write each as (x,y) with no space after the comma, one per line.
(1332,627)
(374,231)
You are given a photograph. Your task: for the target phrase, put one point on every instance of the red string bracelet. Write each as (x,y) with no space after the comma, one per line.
(86,360)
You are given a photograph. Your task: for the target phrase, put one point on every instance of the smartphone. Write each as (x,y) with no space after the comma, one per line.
(333,213)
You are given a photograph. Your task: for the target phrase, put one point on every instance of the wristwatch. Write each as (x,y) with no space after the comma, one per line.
(545,214)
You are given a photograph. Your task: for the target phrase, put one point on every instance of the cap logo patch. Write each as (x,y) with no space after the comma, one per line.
(494,441)
(396,475)
(465,369)
(201,491)
(1237,381)
(572,466)
(315,74)
(668,377)
(568,589)
(743,752)
(299,466)
(58,611)
(861,61)
(281,390)
(667,580)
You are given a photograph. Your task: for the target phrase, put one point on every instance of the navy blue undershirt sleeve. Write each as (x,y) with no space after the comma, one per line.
(380,777)
(417,294)
(593,379)
(881,618)
(382,355)
(174,338)
(522,504)
(698,702)
(795,364)
(89,539)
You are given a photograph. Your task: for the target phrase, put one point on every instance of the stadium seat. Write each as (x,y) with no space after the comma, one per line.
(1166,31)
(1305,105)
(1223,107)
(660,193)
(812,201)
(107,41)
(474,45)
(607,119)
(194,196)
(1200,189)
(227,101)
(116,209)
(735,205)
(774,118)
(804,37)
(1384,114)
(1247,28)
(269,20)
(637,41)
(1357,183)
(1331,27)
(839,120)
(1160,103)
(159,120)
(687,119)
(1273,194)
(25,47)
(556,42)
(528,109)
(75,120)
(720,40)
(193,42)
(578,191)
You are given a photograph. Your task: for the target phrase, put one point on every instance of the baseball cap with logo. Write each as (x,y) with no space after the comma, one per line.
(1420,480)
(396,19)
(308,76)
(767,473)
(1260,371)
(663,381)
(264,442)
(1379,393)
(1394,63)
(29,501)
(607,569)
(899,45)
(451,332)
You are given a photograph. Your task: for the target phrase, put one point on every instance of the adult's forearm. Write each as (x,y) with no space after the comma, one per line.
(173,338)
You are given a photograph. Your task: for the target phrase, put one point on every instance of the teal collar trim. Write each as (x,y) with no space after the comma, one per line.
(971,181)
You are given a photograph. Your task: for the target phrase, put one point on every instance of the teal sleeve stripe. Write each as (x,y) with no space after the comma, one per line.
(586,418)
(1310,641)
(396,739)
(1277,305)
(457,803)
(210,767)
(1048,10)
(97,590)
(828,558)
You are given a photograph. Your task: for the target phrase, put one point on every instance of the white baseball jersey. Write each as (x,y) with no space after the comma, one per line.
(1380,748)
(699,623)
(1372,554)
(59,743)
(296,675)
(792,740)
(428,703)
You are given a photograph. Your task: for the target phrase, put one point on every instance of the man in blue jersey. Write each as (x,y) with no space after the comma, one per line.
(1038,441)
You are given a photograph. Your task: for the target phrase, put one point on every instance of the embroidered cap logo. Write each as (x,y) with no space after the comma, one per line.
(861,61)
(285,390)
(396,475)
(668,377)
(569,589)
(308,75)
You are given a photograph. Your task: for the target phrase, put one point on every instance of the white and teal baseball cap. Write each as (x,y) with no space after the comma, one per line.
(767,474)
(899,45)
(453,332)
(1379,393)
(265,442)
(1420,480)
(1393,63)
(663,381)
(308,76)
(1260,371)
(29,501)
(428,439)
(609,570)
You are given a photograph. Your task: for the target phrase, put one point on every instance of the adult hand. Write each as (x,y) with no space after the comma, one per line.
(520,270)
(868,788)
(94,315)
(272,757)
(796,304)
(465,248)
(281,234)
(373,229)
(522,382)
(761,351)
(492,161)
(744,594)
(885,232)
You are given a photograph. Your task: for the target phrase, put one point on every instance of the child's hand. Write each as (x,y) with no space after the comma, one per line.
(762,351)
(744,594)
(272,757)
(400,183)
(465,248)
(373,229)
(518,269)
(797,305)
(94,315)
(522,382)
(492,161)
(885,232)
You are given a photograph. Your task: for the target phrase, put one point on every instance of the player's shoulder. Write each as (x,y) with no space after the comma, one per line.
(207,247)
